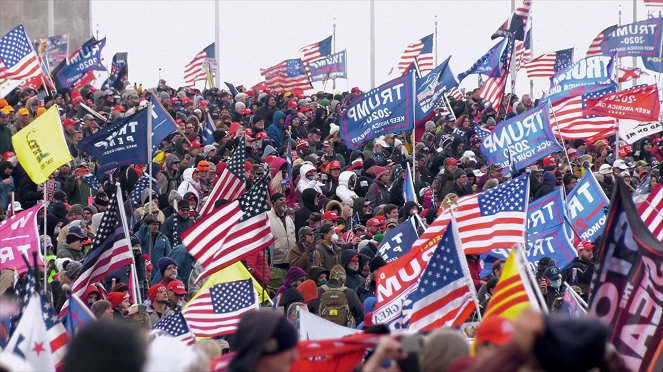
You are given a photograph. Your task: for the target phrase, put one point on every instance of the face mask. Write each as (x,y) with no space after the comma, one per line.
(556,283)
(334,238)
(322,282)
(310,176)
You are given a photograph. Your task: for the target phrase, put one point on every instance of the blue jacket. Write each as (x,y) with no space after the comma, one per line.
(275,131)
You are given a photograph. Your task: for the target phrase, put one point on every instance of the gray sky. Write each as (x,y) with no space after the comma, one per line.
(259,34)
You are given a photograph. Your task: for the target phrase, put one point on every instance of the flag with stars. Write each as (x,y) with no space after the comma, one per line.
(548,64)
(639,103)
(39,338)
(18,60)
(480,132)
(571,119)
(142,184)
(91,181)
(287,75)
(222,301)
(444,296)
(231,183)
(175,325)
(232,231)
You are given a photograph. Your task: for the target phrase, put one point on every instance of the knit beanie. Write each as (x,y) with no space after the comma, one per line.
(309,290)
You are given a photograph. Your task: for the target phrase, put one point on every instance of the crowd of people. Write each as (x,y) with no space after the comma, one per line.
(329,214)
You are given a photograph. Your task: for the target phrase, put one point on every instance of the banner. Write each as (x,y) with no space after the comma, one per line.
(19,236)
(521,140)
(631,131)
(328,67)
(119,71)
(7,86)
(431,90)
(652,63)
(626,291)
(52,49)
(398,240)
(313,327)
(548,235)
(88,58)
(642,38)
(385,109)
(492,63)
(121,143)
(587,206)
(162,123)
(639,103)
(587,75)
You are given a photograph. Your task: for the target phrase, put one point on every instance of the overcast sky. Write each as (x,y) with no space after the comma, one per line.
(259,34)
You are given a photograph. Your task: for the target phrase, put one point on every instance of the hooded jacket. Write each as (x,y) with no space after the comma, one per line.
(353,280)
(308,206)
(284,235)
(345,190)
(169,179)
(275,131)
(547,185)
(305,183)
(188,184)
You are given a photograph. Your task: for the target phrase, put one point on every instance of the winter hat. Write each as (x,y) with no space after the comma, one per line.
(100,307)
(430,125)
(293,274)
(376,263)
(73,268)
(116,298)
(490,122)
(152,292)
(379,171)
(333,128)
(309,290)
(173,195)
(76,209)
(100,199)
(337,273)
(164,262)
(134,240)
(208,148)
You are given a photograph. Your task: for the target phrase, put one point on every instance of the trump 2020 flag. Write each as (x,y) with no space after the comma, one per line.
(586,75)
(642,38)
(398,240)
(524,138)
(40,147)
(88,58)
(162,123)
(385,109)
(444,296)
(639,103)
(431,90)
(586,205)
(328,67)
(121,143)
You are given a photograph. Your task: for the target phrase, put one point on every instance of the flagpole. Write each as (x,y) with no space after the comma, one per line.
(435,42)
(372,25)
(635,59)
(532,285)
(512,66)
(217,45)
(560,135)
(45,233)
(334,48)
(150,111)
(120,203)
(414,119)
(576,296)
(531,49)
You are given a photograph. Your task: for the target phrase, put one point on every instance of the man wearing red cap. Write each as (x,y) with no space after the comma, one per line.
(492,332)
(446,176)
(582,268)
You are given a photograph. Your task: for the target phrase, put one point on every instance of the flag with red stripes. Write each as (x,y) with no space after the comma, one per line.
(232,231)
(287,75)
(523,50)
(455,93)
(654,3)
(596,47)
(572,121)
(231,183)
(651,211)
(492,90)
(317,50)
(444,296)
(517,24)
(420,51)
(18,60)
(548,64)
(196,69)
(175,325)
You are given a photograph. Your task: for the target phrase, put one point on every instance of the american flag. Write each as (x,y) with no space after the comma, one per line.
(142,184)
(570,121)
(596,46)
(420,51)
(489,220)
(517,24)
(651,211)
(91,181)
(195,70)
(18,60)
(231,232)
(218,309)
(480,132)
(175,325)
(654,3)
(231,183)
(110,250)
(287,75)
(317,50)
(548,64)
(455,93)
(523,51)
(444,296)
(492,90)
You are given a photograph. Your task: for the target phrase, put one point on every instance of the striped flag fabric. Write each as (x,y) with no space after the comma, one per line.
(195,70)
(175,325)
(570,121)
(444,296)
(141,185)
(18,60)
(654,3)
(420,51)
(495,218)
(231,232)
(91,181)
(231,183)
(596,46)
(77,315)
(110,249)
(493,89)
(287,75)
(548,64)
(523,51)
(455,93)
(651,211)
(517,24)
(222,301)
(510,296)
(317,50)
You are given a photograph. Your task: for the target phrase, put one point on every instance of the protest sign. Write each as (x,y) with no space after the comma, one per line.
(631,130)
(586,206)
(19,236)
(398,240)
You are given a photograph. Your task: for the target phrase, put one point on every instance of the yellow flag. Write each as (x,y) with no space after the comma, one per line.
(40,147)
(510,297)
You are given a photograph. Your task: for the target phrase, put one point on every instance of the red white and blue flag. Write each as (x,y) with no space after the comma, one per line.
(18,60)
(196,69)
(651,211)
(287,75)
(175,325)
(420,51)
(317,50)
(571,119)
(548,64)
(231,183)
(517,25)
(444,296)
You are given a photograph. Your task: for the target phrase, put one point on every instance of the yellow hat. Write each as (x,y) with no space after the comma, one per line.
(8,109)
(23,111)
(41,110)
(3,102)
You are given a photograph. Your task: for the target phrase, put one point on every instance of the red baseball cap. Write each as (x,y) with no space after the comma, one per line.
(261,135)
(177,287)
(335,164)
(305,109)
(496,330)
(373,222)
(119,108)
(584,244)
(330,215)
(452,161)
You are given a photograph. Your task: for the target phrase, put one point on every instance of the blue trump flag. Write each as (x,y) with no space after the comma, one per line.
(328,67)
(548,234)
(121,143)
(76,316)
(652,63)
(162,123)
(88,58)
(398,240)
(587,206)
(521,140)
(639,39)
(493,62)
(409,194)
(431,90)
(585,76)
(208,132)
(385,109)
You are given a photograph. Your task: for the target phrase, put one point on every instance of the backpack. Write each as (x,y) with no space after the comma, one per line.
(334,306)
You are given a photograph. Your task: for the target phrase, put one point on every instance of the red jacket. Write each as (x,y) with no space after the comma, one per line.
(256,262)
(475,270)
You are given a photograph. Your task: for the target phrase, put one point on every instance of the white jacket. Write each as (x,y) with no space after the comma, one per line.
(343,190)
(188,184)
(284,236)
(304,183)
